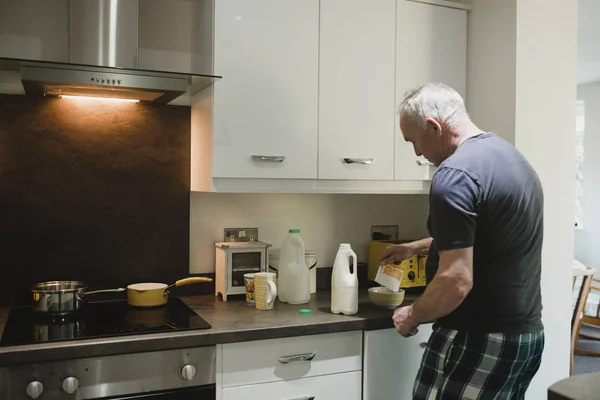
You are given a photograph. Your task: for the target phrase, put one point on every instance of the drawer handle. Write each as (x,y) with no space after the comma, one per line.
(298,357)
(303,398)
(269,158)
(358,160)
(424,163)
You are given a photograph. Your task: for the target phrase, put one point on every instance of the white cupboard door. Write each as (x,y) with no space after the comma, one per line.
(265,107)
(431,46)
(356,89)
(391,363)
(345,386)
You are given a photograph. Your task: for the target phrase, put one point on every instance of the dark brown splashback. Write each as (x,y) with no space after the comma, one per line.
(93,191)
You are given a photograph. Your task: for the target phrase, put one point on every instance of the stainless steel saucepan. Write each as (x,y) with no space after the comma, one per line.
(62,297)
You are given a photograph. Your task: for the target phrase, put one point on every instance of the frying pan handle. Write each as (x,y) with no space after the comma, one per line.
(104,291)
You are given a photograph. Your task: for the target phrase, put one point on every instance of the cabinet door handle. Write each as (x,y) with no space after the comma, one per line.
(269,158)
(424,163)
(358,160)
(297,357)
(423,344)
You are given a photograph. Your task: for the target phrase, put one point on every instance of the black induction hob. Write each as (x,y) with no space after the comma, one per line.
(99,320)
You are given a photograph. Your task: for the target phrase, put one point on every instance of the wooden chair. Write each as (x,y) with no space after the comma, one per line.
(578,317)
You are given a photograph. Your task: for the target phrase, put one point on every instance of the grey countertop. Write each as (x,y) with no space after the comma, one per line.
(231,321)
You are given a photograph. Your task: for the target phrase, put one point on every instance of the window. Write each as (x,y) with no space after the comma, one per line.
(579,153)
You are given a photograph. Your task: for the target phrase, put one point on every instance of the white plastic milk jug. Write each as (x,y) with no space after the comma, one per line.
(294,275)
(344,284)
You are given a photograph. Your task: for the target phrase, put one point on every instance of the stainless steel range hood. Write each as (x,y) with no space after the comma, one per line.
(103,60)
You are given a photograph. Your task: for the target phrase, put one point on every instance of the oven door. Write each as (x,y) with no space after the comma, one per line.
(206,392)
(243,261)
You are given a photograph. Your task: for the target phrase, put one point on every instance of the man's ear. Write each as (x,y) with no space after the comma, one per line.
(434,124)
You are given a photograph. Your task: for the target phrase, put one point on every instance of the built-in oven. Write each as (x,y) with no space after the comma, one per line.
(179,374)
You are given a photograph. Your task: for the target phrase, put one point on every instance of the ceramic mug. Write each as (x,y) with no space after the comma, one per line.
(265,290)
(249,284)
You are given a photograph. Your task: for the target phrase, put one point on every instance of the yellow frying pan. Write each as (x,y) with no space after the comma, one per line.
(152,294)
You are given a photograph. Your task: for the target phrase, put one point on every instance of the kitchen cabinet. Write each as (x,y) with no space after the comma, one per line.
(322,366)
(356,89)
(292,358)
(391,363)
(310,89)
(345,386)
(431,46)
(34,30)
(265,108)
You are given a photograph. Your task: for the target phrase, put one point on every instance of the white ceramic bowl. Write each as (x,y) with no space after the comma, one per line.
(384,297)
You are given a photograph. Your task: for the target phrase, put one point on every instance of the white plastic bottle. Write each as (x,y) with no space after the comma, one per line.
(344,283)
(294,275)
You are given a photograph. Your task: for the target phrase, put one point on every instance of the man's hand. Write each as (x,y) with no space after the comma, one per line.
(396,254)
(403,321)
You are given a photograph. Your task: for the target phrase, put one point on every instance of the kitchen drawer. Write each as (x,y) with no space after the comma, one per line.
(345,386)
(263,361)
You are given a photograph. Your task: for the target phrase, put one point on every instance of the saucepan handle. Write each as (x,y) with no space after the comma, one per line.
(117,290)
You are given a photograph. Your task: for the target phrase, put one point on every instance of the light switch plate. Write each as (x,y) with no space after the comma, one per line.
(241,235)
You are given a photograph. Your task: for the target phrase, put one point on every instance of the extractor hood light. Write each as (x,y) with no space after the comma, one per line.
(112,99)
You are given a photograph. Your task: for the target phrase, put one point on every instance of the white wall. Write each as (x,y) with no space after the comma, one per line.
(165,35)
(588,55)
(586,240)
(324,221)
(544,75)
(491,48)
(43,37)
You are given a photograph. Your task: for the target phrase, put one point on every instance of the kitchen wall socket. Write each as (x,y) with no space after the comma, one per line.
(384,232)
(241,235)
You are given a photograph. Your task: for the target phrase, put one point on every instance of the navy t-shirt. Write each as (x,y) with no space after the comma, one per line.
(487,196)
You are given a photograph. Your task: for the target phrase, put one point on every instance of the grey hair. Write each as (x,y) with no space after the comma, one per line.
(433,100)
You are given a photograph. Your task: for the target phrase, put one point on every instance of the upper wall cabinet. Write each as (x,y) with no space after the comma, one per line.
(266,105)
(34,30)
(431,46)
(310,89)
(356,89)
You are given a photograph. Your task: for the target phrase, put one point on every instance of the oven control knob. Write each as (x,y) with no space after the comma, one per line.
(188,372)
(35,389)
(70,385)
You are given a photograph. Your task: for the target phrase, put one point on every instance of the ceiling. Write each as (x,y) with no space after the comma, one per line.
(588,63)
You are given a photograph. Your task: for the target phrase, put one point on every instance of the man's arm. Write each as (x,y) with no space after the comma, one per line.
(452,283)
(404,251)
(454,204)
(420,246)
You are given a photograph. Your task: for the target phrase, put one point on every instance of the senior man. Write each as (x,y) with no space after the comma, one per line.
(484,265)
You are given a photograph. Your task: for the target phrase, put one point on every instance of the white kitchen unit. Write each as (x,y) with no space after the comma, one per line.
(391,363)
(338,386)
(356,89)
(431,46)
(291,367)
(265,108)
(309,94)
(46,35)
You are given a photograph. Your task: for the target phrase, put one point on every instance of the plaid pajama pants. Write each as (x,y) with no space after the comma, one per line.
(459,365)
